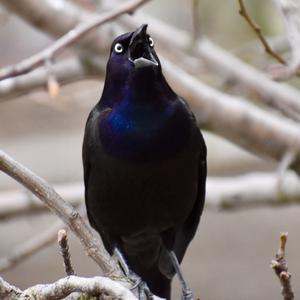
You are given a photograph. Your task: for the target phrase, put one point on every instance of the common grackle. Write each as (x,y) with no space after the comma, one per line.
(144,164)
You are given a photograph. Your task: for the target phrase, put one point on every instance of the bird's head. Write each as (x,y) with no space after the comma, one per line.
(132,53)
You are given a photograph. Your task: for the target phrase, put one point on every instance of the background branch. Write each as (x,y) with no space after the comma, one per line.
(290,10)
(243,12)
(66,71)
(68,39)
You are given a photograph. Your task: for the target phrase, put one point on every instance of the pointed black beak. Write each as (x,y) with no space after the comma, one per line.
(139,49)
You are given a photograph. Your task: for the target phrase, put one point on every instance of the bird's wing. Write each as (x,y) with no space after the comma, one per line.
(86,148)
(90,142)
(185,234)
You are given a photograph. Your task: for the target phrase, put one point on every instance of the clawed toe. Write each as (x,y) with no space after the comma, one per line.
(143,291)
(187,295)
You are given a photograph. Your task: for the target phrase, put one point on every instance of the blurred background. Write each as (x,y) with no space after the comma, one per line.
(230,255)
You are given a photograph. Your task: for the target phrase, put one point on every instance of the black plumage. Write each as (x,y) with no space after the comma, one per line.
(144,163)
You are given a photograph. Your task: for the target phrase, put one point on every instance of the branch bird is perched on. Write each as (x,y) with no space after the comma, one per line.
(144,165)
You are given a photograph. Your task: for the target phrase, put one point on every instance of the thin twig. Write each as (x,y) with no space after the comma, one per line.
(290,10)
(281,269)
(72,36)
(243,12)
(62,239)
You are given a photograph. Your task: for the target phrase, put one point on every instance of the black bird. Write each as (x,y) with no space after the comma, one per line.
(144,164)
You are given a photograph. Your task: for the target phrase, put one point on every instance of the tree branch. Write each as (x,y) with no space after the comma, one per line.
(290,10)
(93,246)
(62,240)
(66,71)
(281,269)
(8,291)
(251,190)
(69,38)
(243,12)
(64,287)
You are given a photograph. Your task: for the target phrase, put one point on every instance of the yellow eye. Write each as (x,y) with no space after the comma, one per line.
(151,42)
(118,48)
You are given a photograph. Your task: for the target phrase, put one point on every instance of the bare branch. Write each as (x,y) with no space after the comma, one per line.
(281,269)
(17,202)
(66,71)
(93,246)
(243,12)
(56,18)
(251,190)
(68,39)
(8,291)
(62,288)
(62,239)
(290,10)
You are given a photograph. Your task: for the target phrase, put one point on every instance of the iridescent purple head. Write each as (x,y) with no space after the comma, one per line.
(132,53)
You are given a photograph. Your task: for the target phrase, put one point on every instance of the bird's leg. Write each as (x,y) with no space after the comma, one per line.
(186,291)
(143,290)
(118,255)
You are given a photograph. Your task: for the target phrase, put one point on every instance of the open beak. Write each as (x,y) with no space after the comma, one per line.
(139,49)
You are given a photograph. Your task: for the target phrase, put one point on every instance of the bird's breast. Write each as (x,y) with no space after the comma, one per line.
(144,133)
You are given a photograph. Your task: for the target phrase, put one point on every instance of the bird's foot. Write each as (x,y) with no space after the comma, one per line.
(187,294)
(119,257)
(141,286)
(138,284)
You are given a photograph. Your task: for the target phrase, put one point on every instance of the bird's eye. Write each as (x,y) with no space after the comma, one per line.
(151,42)
(118,48)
